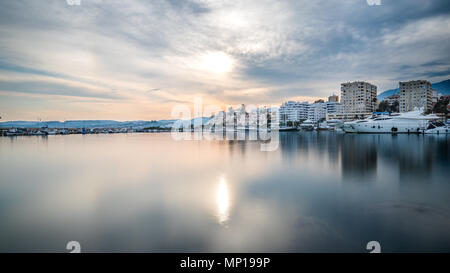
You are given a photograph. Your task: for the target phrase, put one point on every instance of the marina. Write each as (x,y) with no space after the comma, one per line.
(225,135)
(412,122)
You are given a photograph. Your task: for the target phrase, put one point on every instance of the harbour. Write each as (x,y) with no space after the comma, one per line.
(225,135)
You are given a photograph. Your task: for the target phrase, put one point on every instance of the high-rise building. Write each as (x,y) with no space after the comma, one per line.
(294,111)
(434,98)
(415,94)
(358,97)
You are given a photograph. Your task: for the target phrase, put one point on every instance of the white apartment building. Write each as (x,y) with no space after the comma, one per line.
(358,97)
(333,107)
(415,94)
(435,97)
(294,111)
(317,111)
(298,111)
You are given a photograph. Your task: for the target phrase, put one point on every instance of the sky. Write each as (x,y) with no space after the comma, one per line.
(136,60)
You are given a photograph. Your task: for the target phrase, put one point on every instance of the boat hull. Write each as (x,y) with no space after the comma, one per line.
(389,128)
(438,131)
(289,129)
(349,128)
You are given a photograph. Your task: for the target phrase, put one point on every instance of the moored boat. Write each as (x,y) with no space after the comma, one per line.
(307,125)
(323,127)
(409,122)
(287,129)
(335,124)
(437,128)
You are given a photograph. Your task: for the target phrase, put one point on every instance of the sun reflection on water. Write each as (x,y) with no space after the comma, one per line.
(223,202)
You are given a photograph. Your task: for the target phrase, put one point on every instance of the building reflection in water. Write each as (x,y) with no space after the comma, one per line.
(411,155)
(359,156)
(223,202)
(290,200)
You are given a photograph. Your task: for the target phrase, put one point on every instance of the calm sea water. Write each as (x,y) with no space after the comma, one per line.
(318,192)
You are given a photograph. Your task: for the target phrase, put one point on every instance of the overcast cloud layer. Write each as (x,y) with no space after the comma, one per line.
(128,60)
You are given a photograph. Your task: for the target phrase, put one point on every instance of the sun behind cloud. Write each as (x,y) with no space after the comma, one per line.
(216,62)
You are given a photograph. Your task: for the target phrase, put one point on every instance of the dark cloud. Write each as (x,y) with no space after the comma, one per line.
(350,37)
(189,6)
(46,88)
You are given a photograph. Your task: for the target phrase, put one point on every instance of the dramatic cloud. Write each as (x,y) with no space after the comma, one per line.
(136,59)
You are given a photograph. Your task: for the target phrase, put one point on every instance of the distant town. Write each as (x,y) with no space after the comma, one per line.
(357,101)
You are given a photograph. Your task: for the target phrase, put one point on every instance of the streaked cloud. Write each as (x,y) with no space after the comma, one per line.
(136,59)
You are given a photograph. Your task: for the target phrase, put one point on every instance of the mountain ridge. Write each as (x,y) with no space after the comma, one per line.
(87,124)
(73,124)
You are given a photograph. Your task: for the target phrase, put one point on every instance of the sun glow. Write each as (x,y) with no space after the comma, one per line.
(217,62)
(223,201)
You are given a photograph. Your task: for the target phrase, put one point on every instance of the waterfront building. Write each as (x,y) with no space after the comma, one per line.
(294,111)
(434,97)
(317,111)
(333,107)
(358,97)
(415,94)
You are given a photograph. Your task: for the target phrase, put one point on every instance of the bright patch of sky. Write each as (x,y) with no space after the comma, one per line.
(128,60)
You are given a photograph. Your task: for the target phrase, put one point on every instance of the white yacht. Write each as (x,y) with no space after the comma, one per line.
(438,128)
(409,122)
(349,126)
(307,125)
(39,133)
(335,124)
(287,128)
(323,127)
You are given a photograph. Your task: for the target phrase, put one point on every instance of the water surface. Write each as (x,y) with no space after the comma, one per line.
(318,192)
